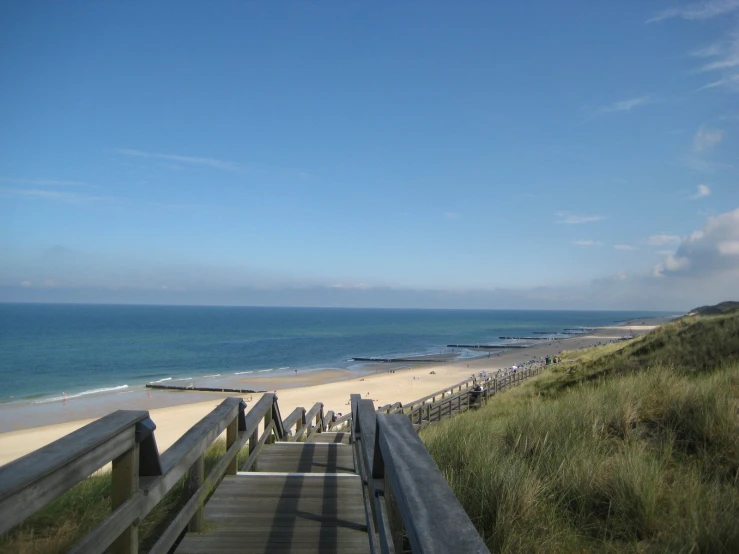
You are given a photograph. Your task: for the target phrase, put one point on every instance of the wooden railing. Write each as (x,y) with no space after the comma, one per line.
(141,477)
(446,402)
(404,489)
(406,496)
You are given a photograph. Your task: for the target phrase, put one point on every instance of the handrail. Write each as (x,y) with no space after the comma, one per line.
(29,483)
(140,476)
(404,488)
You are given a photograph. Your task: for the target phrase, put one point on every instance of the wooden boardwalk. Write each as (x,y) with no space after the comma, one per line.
(302,497)
(361,482)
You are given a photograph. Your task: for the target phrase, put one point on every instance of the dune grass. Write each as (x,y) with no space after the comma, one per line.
(63,522)
(620,449)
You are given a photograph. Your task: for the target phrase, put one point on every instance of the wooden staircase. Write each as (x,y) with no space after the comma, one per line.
(299,497)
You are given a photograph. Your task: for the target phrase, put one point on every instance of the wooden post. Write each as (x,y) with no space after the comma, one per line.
(395,519)
(195,478)
(232,433)
(267,420)
(299,423)
(253,440)
(125,484)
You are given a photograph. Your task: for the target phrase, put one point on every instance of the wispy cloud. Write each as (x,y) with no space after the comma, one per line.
(626,105)
(696,163)
(697,11)
(720,58)
(43,182)
(663,239)
(574,219)
(728,81)
(588,243)
(625,247)
(222,165)
(702,192)
(452,215)
(56,195)
(706,139)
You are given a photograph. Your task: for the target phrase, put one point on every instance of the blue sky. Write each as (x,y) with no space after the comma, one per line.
(475,154)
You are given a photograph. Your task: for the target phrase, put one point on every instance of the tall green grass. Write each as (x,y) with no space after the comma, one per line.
(640,460)
(63,522)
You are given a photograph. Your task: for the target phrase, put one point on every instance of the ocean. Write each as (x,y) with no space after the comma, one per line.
(88,349)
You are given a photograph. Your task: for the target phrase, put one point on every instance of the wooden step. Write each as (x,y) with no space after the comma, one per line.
(341,437)
(306,457)
(253,512)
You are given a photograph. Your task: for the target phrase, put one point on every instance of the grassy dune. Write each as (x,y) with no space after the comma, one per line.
(631,447)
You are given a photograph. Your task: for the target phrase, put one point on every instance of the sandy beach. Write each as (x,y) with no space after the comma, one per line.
(174,412)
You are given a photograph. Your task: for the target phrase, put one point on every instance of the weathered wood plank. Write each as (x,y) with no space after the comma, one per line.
(29,483)
(341,437)
(125,477)
(178,459)
(423,495)
(306,457)
(193,505)
(283,513)
(292,420)
(195,478)
(232,435)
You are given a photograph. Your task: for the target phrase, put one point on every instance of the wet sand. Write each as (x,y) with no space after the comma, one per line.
(293,390)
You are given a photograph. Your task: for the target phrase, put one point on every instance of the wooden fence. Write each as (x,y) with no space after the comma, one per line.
(141,477)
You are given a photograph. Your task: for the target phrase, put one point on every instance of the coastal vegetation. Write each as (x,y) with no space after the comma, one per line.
(630,446)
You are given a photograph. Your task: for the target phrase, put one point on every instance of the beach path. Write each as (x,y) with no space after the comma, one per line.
(300,497)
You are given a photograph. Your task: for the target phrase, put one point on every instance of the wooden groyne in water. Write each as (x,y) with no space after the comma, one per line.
(393,360)
(486,346)
(524,338)
(202,389)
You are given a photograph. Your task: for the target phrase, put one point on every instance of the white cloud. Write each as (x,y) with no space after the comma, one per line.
(715,248)
(722,59)
(729,248)
(56,195)
(697,163)
(26,283)
(663,239)
(452,215)
(729,81)
(625,247)
(588,243)
(697,11)
(706,139)
(43,182)
(626,105)
(573,219)
(708,51)
(191,160)
(703,191)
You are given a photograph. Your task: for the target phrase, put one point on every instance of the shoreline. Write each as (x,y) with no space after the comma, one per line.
(176,411)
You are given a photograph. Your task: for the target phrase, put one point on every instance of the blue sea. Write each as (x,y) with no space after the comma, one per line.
(85,349)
